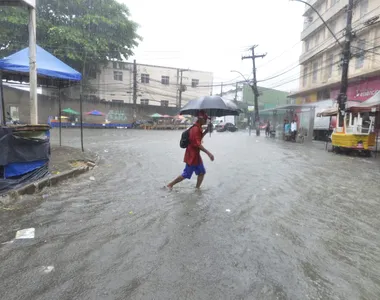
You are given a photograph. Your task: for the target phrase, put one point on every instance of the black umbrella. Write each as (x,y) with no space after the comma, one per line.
(214,106)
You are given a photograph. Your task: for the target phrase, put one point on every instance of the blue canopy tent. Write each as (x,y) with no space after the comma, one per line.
(50,71)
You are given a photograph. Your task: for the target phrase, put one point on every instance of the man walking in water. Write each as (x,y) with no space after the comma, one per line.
(193,159)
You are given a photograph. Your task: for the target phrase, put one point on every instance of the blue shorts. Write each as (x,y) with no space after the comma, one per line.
(189,170)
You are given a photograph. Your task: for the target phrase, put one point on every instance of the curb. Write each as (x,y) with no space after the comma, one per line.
(53,180)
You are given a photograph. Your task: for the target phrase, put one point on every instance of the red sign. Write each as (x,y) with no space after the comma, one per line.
(360,91)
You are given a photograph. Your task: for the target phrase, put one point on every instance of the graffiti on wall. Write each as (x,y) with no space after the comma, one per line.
(116,115)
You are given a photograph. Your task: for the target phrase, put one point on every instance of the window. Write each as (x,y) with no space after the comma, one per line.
(359,63)
(363,8)
(165,80)
(194,83)
(307,45)
(330,65)
(332,26)
(92,73)
(115,64)
(118,75)
(117,101)
(315,72)
(317,36)
(305,76)
(165,103)
(144,78)
(144,101)
(14,114)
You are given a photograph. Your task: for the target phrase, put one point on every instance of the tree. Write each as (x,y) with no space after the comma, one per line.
(85,34)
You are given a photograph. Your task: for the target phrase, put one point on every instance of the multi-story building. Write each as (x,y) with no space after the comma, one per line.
(321,55)
(156,85)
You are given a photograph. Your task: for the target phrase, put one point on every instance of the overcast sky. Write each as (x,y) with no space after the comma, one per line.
(212,35)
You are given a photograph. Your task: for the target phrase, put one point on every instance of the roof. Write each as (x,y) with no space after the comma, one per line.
(291,107)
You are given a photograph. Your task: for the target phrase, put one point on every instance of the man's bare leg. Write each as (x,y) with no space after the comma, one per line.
(175,181)
(200,180)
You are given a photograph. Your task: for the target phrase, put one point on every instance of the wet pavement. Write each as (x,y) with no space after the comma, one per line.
(274,220)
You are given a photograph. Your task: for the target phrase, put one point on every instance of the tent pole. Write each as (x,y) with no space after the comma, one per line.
(60,116)
(3,117)
(81,120)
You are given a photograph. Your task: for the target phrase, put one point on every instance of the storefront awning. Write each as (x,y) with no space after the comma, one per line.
(372,104)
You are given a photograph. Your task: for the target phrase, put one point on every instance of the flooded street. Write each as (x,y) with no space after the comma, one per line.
(274,220)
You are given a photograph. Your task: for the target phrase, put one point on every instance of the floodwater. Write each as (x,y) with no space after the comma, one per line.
(274,220)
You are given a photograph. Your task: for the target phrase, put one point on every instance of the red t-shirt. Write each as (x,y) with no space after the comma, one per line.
(192,154)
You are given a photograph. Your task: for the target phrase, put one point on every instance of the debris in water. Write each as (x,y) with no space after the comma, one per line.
(25,234)
(106,151)
(228,210)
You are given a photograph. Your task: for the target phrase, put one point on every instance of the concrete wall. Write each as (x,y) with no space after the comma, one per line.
(48,106)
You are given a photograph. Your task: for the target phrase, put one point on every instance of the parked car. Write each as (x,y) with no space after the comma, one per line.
(226,127)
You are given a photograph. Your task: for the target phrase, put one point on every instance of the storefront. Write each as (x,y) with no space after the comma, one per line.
(360,90)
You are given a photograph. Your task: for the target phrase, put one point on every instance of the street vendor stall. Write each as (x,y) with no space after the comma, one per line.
(358,131)
(51,72)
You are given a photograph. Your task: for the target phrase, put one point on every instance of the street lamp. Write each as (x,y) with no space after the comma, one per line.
(250,115)
(31,5)
(346,51)
(319,15)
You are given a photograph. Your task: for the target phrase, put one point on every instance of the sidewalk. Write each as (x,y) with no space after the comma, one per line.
(67,158)
(65,163)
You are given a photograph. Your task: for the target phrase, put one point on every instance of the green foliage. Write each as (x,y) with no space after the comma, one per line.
(85,34)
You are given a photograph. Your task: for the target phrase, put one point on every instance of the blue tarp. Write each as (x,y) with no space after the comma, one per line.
(47,65)
(17,169)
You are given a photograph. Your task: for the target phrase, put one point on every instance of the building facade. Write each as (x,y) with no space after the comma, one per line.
(321,55)
(156,85)
(269,98)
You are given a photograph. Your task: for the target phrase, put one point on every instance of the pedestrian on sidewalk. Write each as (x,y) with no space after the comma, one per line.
(193,159)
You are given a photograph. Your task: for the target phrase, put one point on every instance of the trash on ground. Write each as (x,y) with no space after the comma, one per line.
(228,210)
(106,151)
(131,212)
(47,269)
(92,178)
(25,234)
(6,243)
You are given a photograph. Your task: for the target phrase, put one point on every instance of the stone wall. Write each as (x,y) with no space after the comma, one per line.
(48,106)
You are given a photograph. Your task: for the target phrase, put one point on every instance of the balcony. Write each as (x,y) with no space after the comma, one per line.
(332,11)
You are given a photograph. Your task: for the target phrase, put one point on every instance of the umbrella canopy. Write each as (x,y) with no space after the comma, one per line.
(47,65)
(156,115)
(214,106)
(166,116)
(70,111)
(95,113)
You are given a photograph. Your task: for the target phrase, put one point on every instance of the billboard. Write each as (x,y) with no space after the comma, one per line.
(31,3)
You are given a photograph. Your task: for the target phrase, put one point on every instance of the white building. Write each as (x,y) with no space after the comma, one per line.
(156,85)
(321,55)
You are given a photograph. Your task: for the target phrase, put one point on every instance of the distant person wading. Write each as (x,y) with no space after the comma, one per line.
(193,159)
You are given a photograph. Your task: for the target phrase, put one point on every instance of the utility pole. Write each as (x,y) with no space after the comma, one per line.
(33,67)
(181,87)
(236,92)
(342,98)
(254,86)
(221,90)
(134,89)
